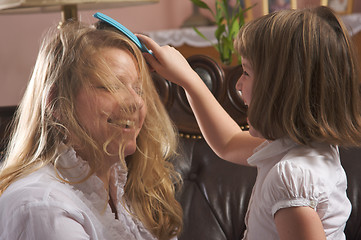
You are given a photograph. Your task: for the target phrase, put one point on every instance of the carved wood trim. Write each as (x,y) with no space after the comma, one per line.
(221,81)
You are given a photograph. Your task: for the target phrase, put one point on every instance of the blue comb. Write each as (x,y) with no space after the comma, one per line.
(123,29)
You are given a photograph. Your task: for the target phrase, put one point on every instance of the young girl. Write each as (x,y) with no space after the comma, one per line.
(88,156)
(300,83)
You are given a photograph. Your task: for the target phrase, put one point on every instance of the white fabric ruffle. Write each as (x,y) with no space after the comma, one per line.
(93,193)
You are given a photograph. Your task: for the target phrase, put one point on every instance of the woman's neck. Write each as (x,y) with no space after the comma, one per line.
(104,175)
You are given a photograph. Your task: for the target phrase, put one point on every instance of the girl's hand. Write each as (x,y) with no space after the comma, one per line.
(221,132)
(168,62)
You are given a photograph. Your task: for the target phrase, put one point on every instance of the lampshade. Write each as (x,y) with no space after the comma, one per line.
(36,6)
(68,8)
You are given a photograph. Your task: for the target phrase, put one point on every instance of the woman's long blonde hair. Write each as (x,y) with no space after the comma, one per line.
(306,81)
(67,60)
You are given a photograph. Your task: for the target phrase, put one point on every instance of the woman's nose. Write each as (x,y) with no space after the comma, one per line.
(133,101)
(139,101)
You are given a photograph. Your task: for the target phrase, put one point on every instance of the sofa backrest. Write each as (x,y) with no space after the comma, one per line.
(6,116)
(351,161)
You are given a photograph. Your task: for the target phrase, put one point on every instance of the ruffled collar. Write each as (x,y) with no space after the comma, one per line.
(92,192)
(268,150)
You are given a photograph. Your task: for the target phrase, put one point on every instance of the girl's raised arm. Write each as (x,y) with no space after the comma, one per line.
(220,131)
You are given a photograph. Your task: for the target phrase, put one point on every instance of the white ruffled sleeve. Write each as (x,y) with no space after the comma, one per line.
(290,185)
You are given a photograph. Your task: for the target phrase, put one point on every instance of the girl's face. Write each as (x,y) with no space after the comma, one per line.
(245,85)
(245,82)
(118,115)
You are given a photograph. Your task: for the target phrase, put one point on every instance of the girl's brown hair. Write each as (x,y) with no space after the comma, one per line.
(306,82)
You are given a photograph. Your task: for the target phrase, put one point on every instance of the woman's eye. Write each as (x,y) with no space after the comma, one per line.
(138,90)
(101,88)
(108,88)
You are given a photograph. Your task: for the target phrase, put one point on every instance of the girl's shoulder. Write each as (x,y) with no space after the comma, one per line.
(318,162)
(305,176)
(313,151)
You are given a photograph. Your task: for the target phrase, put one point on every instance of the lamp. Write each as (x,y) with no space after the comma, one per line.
(68,8)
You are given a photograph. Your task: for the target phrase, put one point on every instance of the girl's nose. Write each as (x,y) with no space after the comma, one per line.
(239,84)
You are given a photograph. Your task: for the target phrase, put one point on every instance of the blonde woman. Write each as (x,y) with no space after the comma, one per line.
(88,157)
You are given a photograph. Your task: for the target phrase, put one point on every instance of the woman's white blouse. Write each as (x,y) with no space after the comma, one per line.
(40,206)
(291,175)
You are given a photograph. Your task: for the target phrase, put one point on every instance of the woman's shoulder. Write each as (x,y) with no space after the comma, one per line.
(38,201)
(41,187)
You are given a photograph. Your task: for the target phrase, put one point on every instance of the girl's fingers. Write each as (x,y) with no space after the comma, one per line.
(145,39)
(153,46)
(150,43)
(167,61)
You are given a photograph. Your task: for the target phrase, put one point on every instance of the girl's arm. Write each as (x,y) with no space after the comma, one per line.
(299,223)
(220,131)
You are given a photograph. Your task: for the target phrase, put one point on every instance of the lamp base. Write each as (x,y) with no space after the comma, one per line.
(69,12)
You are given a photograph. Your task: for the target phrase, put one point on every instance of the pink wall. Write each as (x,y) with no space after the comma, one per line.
(21,34)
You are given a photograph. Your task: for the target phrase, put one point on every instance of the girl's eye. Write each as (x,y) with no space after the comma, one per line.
(245,73)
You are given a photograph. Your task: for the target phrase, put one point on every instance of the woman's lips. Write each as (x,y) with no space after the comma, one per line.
(123,123)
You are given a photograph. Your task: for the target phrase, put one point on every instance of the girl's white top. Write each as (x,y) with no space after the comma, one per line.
(291,175)
(41,206)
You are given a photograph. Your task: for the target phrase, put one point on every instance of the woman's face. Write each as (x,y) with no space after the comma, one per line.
(117,115)
(245,85)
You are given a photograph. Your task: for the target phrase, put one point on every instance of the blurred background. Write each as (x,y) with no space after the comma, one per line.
(21,34)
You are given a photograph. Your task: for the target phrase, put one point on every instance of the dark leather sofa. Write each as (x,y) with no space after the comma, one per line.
(215,193)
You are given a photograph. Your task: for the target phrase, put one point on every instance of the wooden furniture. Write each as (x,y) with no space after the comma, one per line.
(220,80)
(189,51)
